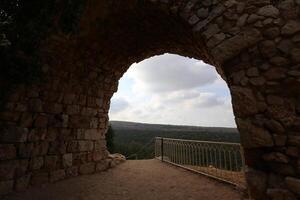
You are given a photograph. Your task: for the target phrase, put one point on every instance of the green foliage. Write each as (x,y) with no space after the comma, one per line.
(131,139)
(110,139)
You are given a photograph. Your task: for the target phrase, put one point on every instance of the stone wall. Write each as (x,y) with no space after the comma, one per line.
(55,129)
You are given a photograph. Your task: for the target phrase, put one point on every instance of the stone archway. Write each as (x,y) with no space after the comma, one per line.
(56,128)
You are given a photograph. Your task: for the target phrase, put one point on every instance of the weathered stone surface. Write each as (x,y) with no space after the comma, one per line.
(290,28)
(51,162)
(280,194)
(67,160)
(22,183)
(57,175)
(254,136)
(268,11)
(39,178)
(7,169)
(102,165)
(13,134)
(276,157)
(72,171)
(257,183)
(231,47)
(293,184)
(7,151)
(6,187)
(244,101)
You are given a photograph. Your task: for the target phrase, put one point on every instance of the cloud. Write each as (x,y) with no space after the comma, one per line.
(118,104)
(170,89)
(170,73)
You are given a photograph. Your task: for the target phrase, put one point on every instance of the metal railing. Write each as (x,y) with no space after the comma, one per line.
(220,160)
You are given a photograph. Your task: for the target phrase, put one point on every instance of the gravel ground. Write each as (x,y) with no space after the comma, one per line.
(134,180)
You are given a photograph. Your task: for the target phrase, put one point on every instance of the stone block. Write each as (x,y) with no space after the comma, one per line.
(7,151)
(6,187)
(257,183)
(36,135)
(25,150)
(91,134)
(51,162)
(22,183)
(293,184)
(67,160)
(22,168)
(39,178)
(57,148)
(11,134)
(85,146)
(103,165)
(7,169)
(57,175)
(36,163)
(276,157)
(72,171)
(88,168)
(77,121)
(280,194)
(41,121)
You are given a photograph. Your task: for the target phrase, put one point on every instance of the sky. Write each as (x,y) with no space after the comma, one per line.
(171,89)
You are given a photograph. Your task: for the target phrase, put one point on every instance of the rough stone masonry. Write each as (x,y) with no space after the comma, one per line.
(55,129)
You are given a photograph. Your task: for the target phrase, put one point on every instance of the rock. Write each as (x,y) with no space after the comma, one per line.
(6,187)
(51,162)
(216,39)
(292,151)
(253,18)
(7,151)
(276,157)
(268,11)
(22,183)
(211,30)
(285,46)
(233,46)
(242,97)
(282,169)
(274,100)
(36,163)
(279,140)
(280,194)
(39,178)
(253,136)
(41,121)
(242,20)
(193,19)
(67,160)
(103,165)
(257,183)
(57,175)
(293,184)
(290,28)
(274,126)
(72,171)
(11,134)
(7,169)
(295,53)
(202,13)
(85,146)
(267,48)
(253,71)
(294,140)
(279,61)
(272,32)
(275,73)
(257,81)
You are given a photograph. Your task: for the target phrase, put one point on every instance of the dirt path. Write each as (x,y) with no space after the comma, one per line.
(134,180)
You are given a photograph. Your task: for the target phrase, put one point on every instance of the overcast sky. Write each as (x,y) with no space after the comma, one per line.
(171,89)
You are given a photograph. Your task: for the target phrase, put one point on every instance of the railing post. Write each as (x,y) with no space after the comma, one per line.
(162,149)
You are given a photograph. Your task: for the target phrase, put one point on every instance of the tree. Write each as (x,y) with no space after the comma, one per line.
(110,139)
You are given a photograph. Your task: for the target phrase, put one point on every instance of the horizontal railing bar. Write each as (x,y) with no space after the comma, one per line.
(198,141)
(223,161)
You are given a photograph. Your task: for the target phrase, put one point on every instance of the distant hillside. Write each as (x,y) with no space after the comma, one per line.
(130,137)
